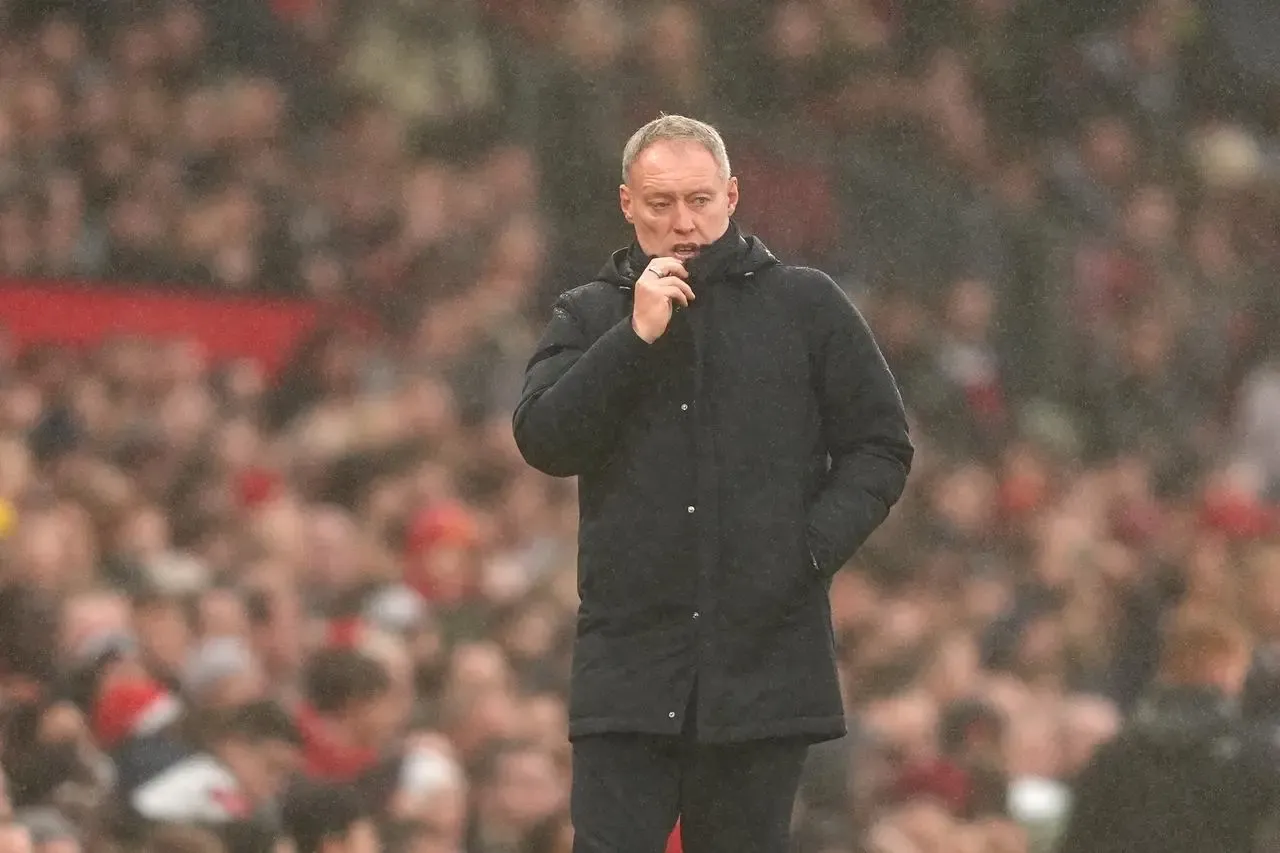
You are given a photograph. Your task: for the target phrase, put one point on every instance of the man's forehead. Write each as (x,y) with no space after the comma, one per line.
(670,162)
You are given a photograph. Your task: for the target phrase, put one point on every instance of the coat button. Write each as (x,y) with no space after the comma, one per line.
(696,614)
(672,715)
(684,407)
(691,509)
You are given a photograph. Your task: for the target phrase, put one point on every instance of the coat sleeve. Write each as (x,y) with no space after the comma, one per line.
(864,427)
(577,393)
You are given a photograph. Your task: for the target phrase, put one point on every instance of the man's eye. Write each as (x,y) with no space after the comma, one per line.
(660,205)
(701,201)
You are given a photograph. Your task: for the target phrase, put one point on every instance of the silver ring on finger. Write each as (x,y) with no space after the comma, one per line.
(657,272)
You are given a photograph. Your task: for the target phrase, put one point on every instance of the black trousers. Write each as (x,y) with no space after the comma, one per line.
(628,790)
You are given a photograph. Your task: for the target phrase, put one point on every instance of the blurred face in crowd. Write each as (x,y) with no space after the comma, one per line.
(235,690)
(373,723)
(479,666)
(527,790)
(1264,591)
(277,622)
(144,534)
(545,719)
(15,839)
(92,615)
(222,614)
(42,550)
(481,718)
(965,501)
(332,548)
(1109,149)
(1034,746)
(1088,724)
(678,199)
(448,569)
(262,768)
(969,309)
(955,669)
(386,716)
(163,634)
(1151,218)
(906,725)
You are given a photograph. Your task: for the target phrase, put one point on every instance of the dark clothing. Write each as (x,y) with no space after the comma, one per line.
(1186,774)
(726,472)
(1261,700)
(731,798)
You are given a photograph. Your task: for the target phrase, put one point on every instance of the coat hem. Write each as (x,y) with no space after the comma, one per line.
(812,729)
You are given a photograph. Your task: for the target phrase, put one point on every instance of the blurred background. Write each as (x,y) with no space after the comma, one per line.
(270,271)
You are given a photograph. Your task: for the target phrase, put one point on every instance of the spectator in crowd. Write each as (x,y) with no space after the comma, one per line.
(1186,774)
(237,779)
(328,819)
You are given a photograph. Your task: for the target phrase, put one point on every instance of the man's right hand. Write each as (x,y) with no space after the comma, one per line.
(660,288)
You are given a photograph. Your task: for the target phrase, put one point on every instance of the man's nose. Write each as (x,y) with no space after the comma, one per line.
(684,219)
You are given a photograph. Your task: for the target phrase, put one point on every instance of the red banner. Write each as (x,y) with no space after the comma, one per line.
(265,330)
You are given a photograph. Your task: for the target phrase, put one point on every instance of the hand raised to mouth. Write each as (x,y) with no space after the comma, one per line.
(660,289)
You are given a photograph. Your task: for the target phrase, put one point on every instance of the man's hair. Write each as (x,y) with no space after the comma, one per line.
(315,812)
(258,722)
(672,128)
(337,678)
(1195,643)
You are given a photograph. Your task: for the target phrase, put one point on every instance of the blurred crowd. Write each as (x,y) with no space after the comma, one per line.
(1061,219)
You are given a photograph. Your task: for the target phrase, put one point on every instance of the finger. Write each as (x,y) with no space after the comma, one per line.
(673,283)
(675,294)
(674,268)
(684,288)
(668,268)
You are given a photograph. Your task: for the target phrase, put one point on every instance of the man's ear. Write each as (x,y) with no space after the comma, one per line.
(625,201)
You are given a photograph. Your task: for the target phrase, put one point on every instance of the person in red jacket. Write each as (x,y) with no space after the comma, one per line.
(349,717)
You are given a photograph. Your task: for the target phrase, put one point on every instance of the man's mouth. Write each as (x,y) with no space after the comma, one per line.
(684,251)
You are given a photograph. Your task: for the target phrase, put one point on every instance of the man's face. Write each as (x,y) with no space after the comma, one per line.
(261,768)
(15,839)
(677,199)
(375,722)
(164,633)
(527,789)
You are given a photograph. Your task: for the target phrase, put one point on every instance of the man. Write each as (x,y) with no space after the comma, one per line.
(15,838)
(329,819)
(351,715)
(737,436)
(517,788)
(1185,774)
(251,756)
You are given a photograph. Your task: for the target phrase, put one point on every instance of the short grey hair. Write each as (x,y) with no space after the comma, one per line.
(667,128)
